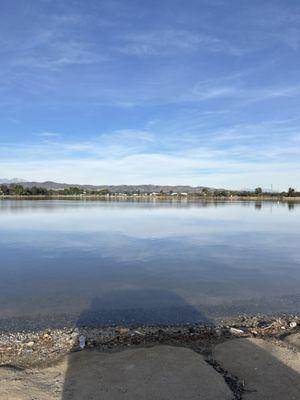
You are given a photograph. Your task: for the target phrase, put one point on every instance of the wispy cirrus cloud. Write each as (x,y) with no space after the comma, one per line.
(147,168)
(225,158)
(235,86)
(52,52)
(47,134)
(168,41)
(206,93)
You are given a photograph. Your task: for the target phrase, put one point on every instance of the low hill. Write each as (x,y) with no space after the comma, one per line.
(118,188)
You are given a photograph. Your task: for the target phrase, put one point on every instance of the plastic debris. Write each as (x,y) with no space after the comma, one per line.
(139,333)
(293,324)
(235,331)
(82,342)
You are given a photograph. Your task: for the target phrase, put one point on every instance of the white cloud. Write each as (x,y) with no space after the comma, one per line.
(241,155)
(162,42)
(194,168)
(231,87)
(48,134)
(176,74)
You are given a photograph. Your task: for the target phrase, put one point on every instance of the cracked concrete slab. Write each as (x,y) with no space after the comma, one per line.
(270,372)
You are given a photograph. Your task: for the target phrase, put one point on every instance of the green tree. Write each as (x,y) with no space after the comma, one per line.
(4,189)
(17,190)
(258,191)
(103,192)
(206,191)
(222,193)
(291,192)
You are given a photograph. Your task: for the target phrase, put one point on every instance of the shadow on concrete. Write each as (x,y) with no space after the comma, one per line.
(92,376)
(269,371)
(125,308)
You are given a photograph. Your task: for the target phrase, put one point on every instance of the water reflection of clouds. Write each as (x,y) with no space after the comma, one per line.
(141,231)
(241,250)
(144,221)
(204,254)
(228,236)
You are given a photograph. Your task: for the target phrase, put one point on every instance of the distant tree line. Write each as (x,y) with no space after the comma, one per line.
(258,192)
(19,190)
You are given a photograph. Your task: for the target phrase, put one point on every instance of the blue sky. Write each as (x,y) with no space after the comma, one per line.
(203,92)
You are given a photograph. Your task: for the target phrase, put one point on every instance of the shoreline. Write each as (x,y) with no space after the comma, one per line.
(26,349)
(283,199)
(256,355)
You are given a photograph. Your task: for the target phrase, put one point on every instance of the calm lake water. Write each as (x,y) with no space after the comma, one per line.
(103,263)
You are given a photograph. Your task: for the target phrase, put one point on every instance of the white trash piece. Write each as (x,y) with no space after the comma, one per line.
(235,331)
(82,342)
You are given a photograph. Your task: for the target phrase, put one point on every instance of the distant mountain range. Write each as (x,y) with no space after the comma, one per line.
(13,180)
(113,188)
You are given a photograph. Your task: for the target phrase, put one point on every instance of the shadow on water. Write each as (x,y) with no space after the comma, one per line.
(126,308)
(90,376)
(139,308)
